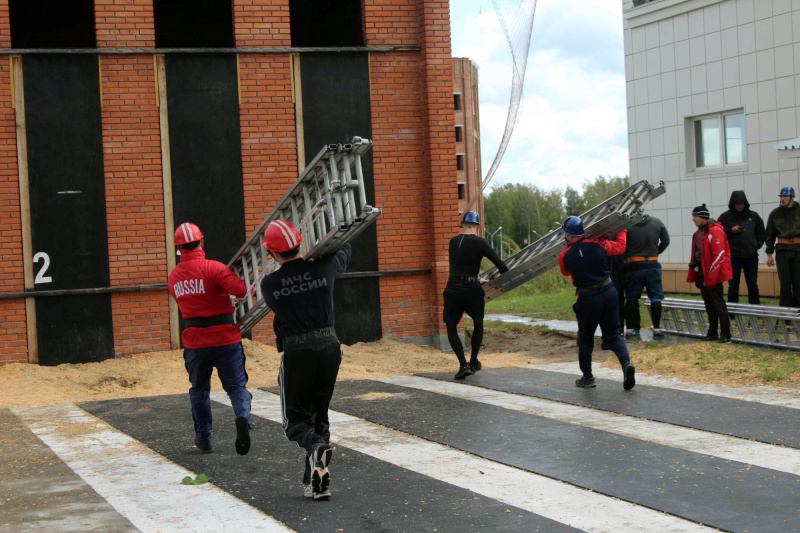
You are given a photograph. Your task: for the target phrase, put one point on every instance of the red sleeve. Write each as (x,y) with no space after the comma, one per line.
(229,281)
(718,252)
(618,247)
(561,263)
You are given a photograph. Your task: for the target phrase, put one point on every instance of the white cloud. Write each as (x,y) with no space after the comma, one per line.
(573,125)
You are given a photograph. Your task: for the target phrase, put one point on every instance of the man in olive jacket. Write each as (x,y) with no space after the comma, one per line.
(745,231)
(784,224)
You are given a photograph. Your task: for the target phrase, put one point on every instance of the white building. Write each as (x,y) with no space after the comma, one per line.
(713,92)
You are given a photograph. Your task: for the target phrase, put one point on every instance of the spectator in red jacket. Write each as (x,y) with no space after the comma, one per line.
(202,290)
(709,268)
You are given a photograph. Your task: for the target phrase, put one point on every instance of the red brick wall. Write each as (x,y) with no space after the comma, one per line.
(412,118)
(391,23)
(269,140)
(261,23)
(13,341)
(134,186)
(5,26)
(134,201)
(437,113)
(401,181)
(124,23)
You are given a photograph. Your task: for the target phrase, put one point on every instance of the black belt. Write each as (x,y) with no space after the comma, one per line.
(463,277)
(309,337)
(208,321)
(596,286)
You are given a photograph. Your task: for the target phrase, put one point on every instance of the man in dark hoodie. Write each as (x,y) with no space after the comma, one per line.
(745,231)
(646,241)
(784,224)
(709,268)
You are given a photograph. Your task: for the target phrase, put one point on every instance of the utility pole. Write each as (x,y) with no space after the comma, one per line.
(492,236)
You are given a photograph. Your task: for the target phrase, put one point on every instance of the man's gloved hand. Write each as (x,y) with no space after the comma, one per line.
(710,284)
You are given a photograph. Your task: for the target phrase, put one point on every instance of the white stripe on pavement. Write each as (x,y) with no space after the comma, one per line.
(143,486)
(780,396)
(579,508)
(745,451)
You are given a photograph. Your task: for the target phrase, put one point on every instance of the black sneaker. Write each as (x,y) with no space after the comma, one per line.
(319,460)
(725,339)
(658,333)
(242,435)
(712,337)
(630,377)
(585,383)
(463,372)
(475,365)
(203,445)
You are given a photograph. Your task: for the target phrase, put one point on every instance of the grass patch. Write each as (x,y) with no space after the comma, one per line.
(716,363)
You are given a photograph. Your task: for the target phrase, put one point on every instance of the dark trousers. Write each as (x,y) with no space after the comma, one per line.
(750,268)
(600,308)
(788,262)
(716,309)
(306,380)
(230,364)
(455,305)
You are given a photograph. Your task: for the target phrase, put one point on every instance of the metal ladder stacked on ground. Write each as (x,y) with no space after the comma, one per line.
(764,325)
(327,204)
(607,218)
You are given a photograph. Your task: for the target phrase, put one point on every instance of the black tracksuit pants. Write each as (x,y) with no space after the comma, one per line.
(788,262)
(716,309)
(455,305)
(306,380)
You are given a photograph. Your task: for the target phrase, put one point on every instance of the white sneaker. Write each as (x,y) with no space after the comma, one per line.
(319,460)
(308,492)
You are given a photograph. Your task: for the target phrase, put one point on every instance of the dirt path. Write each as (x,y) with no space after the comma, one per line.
(159,373)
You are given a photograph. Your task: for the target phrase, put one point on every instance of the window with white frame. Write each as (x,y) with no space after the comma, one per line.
(719,140)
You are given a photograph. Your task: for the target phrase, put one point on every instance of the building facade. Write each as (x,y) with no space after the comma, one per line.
(120,120)
(467,136)
(713,96)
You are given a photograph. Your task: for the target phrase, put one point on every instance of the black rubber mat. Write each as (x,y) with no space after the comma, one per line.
(727,416)
(725,494)
(367,494)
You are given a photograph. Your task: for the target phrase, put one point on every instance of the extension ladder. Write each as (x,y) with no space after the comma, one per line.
(619,212)
(764,325)
(328,205)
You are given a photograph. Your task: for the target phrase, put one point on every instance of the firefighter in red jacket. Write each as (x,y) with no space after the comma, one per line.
(586,260)
(202,290)
(709,267)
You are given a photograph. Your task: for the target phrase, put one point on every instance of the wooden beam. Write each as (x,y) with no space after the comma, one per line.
(297,95)
(18,90)
(166,171)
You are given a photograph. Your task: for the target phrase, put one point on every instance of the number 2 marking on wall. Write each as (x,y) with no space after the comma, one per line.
(40,277)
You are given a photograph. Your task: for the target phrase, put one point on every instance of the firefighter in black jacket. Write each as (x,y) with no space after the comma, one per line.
(586,260)
(463,293)
(300,293)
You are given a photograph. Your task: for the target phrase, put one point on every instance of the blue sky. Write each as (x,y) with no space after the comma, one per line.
(573,125)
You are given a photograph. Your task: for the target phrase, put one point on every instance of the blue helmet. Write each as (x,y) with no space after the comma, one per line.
(471,217)
(786,191)
(573,226)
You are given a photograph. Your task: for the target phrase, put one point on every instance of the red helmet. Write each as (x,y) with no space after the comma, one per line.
(281,236)
(186,233)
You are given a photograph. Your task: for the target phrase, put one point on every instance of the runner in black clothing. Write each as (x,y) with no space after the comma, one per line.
(464,293)
(300,293)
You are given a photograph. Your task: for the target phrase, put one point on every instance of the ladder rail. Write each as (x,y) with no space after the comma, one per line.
(325,208)
(617,213)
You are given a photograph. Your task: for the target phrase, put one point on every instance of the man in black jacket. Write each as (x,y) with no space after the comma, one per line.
(746,233)
(646,241)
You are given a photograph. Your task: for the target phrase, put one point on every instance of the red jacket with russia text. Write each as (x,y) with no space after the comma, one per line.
(715,255)
(201,288)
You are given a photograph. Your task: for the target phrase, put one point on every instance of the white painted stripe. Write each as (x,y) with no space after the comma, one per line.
(185,236)
(537,494)
(143,486)
(725,447)
(291,241)
(782,397)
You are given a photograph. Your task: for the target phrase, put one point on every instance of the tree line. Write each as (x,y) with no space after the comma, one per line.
(518,215)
